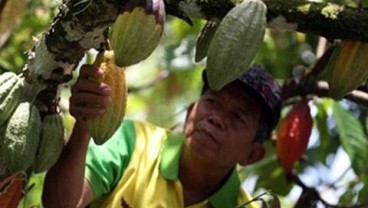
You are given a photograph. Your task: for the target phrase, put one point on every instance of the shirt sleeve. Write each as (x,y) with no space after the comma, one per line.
(105,164)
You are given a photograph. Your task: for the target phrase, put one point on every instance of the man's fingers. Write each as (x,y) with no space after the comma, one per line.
(85,85)
(90,71)
(85,113)
(87,105)
(88,100)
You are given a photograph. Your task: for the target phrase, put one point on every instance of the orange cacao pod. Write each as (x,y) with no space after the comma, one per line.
(347,68)
(293,135)
(103,127)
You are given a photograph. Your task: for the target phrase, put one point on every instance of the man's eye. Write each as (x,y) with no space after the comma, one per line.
(239,117)
(211,100)
(236,116)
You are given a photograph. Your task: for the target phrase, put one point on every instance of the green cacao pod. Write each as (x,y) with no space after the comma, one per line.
(19,137)
(11,92)
(347,68)
(4,77)
(51,142)
(137,31)
(103,127)
(204,40)
(293,135)
(235,42)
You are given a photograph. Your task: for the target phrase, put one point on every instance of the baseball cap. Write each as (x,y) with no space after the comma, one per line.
(258,83)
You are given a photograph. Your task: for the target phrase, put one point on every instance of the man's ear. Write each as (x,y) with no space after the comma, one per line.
(189,110)
(256,154)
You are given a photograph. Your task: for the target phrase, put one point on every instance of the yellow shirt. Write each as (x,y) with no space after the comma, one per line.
(150,178)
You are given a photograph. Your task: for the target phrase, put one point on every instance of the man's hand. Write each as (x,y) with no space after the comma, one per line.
(89,97)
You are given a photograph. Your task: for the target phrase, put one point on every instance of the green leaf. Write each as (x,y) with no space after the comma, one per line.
(348,196)
(364,3)
(352,137)
(269,173)
(327,144)
(363,193)
(272,177)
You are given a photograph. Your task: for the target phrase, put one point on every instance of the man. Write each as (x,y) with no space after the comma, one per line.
(143,165)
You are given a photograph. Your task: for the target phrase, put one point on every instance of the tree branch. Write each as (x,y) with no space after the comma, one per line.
(310,194)
(78,27)
(323,19)
(293,89)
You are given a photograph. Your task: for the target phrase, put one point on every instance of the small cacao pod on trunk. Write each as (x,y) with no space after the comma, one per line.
(103,127)
(293,135)
(51,142)
(347,68)
(19,137)
(137,31)
(204,40)
(235,43)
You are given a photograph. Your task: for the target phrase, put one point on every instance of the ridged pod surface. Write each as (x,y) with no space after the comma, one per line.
(235,42)
(293,135)
(11,92)
(51,143)
(347,68)
(137,31)
(4,77)
(19,137)
(103,127)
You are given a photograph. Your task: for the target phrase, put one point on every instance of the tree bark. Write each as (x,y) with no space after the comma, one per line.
(78,27)
(331,21)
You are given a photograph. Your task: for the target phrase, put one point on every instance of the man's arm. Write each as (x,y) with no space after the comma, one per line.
(65,184)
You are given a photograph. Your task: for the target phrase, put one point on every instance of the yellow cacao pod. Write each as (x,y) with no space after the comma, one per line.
(137,31)
(51,142)
(103,127)
(19,137)
(347,68)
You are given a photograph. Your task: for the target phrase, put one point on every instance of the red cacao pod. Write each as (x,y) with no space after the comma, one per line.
(11,195)
(293,135)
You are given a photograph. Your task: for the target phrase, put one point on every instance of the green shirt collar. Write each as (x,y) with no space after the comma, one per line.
(170,155)
(226,196)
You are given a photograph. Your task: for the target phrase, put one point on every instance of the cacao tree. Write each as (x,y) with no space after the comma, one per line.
(302,47)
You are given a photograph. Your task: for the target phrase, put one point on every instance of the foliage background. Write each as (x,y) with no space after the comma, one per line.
(162,86)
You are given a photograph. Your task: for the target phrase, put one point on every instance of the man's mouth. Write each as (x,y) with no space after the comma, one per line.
(207,134)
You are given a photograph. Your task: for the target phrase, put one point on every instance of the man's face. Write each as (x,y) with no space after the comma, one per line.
(221,127)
